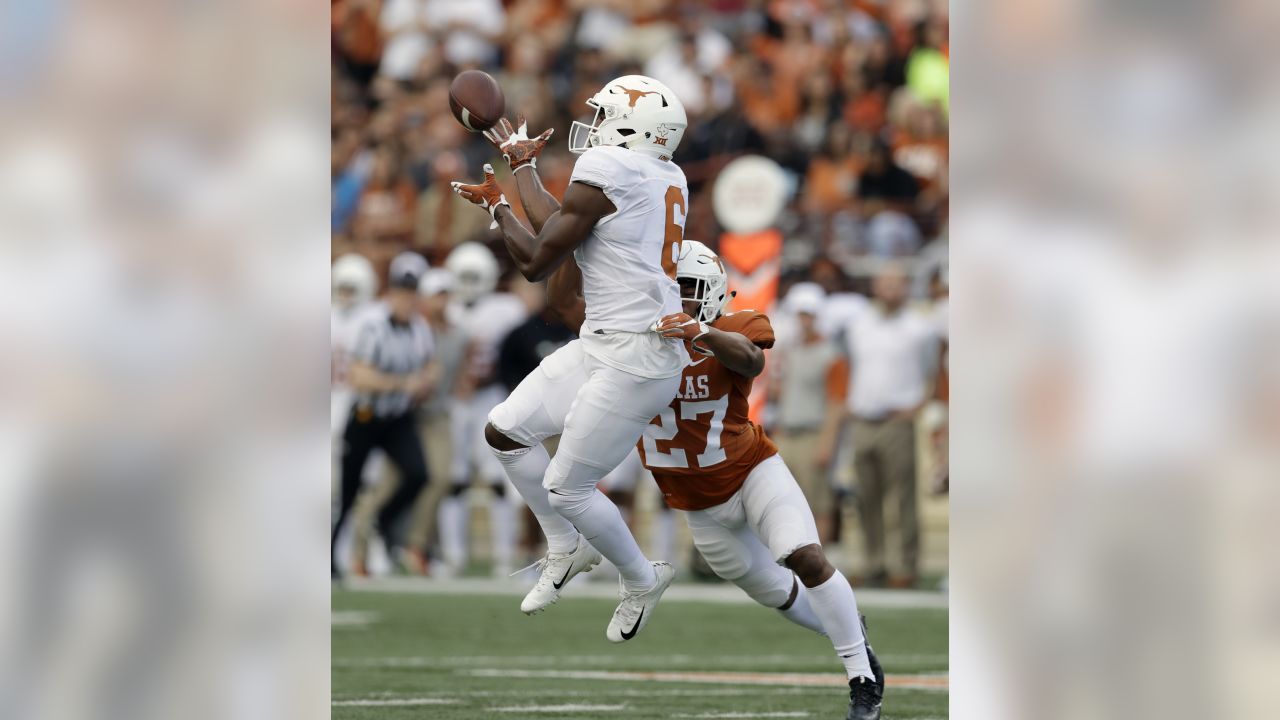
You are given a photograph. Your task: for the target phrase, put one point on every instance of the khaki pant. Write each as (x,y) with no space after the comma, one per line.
(798,449)
(885,468)
(437,445)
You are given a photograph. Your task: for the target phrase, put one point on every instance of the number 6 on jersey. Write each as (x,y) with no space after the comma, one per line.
(675,230)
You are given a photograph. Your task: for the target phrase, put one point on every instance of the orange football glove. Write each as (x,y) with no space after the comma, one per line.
(487,194)
(517,148)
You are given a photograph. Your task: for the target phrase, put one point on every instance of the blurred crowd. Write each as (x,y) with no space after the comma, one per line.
(849,97)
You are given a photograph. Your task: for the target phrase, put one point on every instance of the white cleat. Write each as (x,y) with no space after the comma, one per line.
(557,571)
(636,609)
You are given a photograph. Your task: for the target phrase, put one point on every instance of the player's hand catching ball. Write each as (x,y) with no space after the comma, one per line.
(517,148)
(680,326)
(487,194)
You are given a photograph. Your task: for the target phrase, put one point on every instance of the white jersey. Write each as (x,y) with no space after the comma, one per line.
(486,323)
(629,261)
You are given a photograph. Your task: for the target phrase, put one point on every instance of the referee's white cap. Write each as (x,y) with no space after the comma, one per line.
(407,270)
(435,281)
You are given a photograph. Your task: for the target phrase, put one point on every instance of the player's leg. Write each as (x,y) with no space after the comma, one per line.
(734,553)
(603,425)
(453,513)
(502,507)
(776,510)
(620,485)
(534,411)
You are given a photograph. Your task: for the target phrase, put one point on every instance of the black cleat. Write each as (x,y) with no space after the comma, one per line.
(865,695)
(864,699)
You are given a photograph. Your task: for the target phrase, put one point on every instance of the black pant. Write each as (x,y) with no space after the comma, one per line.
(398,438)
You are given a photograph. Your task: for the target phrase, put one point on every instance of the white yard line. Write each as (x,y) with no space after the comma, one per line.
(394,702)
(796,714)
(572,707)
(352,618)
(680,592)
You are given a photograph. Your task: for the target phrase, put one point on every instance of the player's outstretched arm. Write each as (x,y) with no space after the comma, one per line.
(521,153)
(535,256)
(734,350)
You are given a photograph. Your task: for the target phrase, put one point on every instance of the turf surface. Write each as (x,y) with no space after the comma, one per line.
(402,656)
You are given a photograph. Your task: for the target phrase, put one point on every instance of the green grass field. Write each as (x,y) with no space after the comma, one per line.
(406,655)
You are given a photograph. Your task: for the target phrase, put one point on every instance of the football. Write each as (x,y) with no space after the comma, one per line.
(476,100)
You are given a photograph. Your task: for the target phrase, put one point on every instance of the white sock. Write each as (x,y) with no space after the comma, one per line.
(834,604)
(502,521)
(801,611)
(525,468)
(601,524)
(453,530)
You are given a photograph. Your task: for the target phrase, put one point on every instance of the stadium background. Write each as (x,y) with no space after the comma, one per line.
(819,87)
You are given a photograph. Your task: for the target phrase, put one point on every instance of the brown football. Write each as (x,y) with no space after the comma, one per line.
(476,100)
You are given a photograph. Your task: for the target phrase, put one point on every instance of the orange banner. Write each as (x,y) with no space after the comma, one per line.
(754,263)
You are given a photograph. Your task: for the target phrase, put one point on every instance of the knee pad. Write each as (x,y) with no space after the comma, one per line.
(569,502)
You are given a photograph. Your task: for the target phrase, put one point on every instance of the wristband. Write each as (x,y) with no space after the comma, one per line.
(493,210)
(694,342)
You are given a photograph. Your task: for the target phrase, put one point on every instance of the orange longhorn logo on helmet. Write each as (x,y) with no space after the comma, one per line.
(634,95)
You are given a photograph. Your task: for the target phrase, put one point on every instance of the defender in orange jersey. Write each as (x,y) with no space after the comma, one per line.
(748,516)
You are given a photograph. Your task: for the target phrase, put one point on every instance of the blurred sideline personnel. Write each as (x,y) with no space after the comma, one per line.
(390,374)
(355,285)
(891,352)
(748,516)
(485,317)
(448,346)
(622,220)
(810,374)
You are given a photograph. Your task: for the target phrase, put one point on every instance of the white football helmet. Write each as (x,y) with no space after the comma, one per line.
(698,263)
(635,112)
(475,271)
(355,274)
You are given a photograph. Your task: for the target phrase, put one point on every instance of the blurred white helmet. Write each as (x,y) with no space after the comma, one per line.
(805,297)
(635,112)
(697,262)
(354,275)
(475,271)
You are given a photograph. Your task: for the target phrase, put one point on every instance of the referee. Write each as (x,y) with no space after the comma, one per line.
(390,374)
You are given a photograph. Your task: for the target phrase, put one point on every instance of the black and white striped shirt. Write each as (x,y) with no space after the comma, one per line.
(393,348)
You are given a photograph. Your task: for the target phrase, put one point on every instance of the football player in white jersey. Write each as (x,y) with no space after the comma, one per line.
(622,219)
(485,317)
(354,286)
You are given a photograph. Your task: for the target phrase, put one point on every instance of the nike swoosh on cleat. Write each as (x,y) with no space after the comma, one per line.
(634,628)
(563,580)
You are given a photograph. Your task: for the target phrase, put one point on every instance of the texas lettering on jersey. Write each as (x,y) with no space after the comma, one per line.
(702,446)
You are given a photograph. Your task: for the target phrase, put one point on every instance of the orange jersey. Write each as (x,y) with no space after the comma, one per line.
(702,446)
